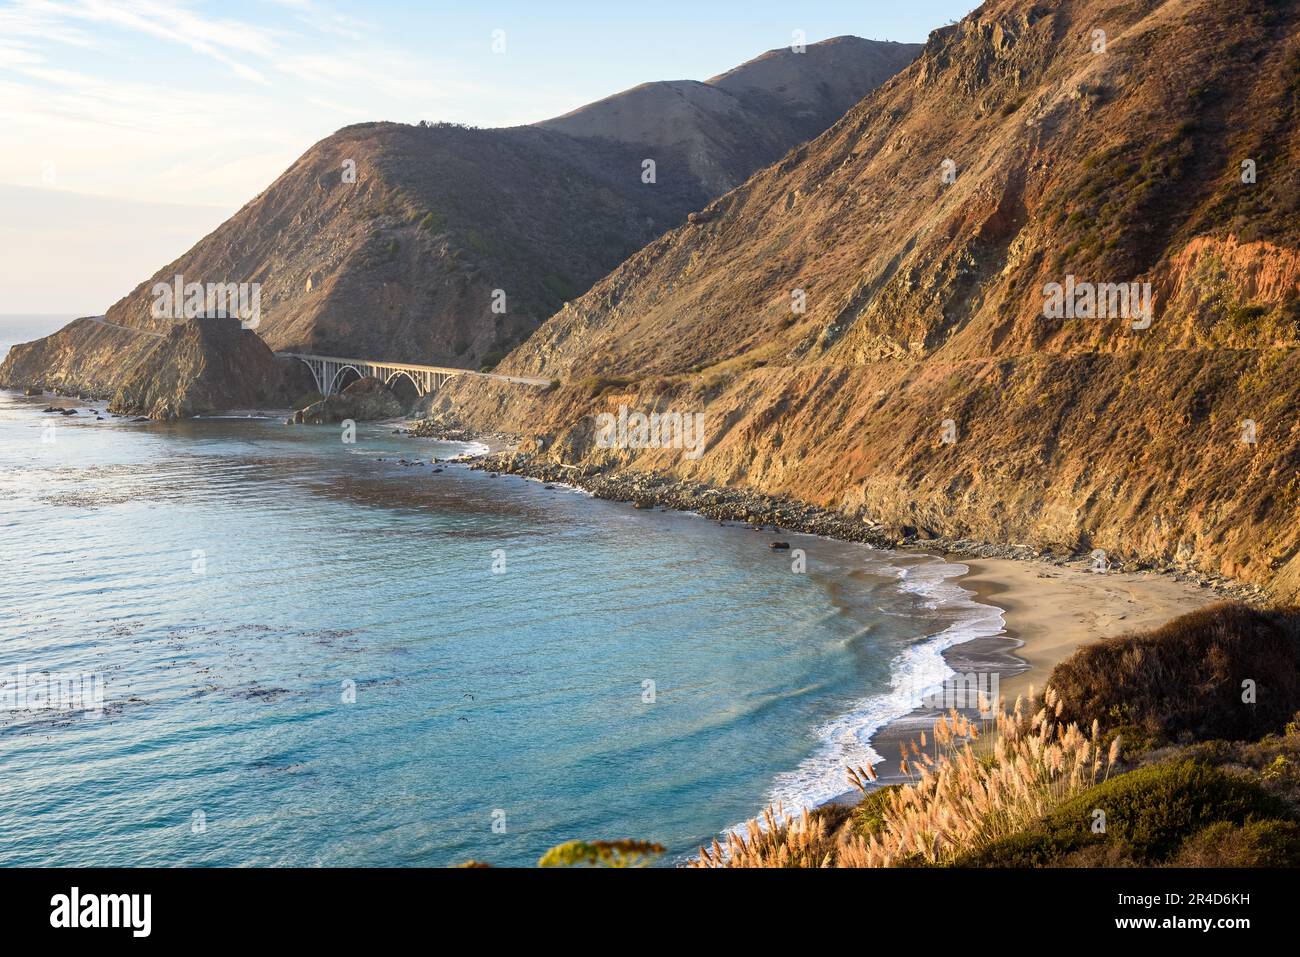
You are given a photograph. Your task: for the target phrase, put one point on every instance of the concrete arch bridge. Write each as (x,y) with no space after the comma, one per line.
(333,373)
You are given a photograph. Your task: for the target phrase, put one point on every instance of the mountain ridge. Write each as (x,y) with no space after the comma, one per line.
(755,111)
(442,244)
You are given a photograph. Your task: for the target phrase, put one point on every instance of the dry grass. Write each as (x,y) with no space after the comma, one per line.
(774,840)
(961,796)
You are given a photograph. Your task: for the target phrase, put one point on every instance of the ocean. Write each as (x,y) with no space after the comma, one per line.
(291,650)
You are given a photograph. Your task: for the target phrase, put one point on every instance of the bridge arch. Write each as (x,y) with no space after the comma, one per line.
(338,382)
(408,392)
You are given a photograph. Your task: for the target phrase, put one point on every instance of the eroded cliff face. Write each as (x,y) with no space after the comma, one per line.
(82,358)
(923,383)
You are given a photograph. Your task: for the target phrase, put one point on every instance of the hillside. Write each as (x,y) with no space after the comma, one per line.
(405,261)
(923,386)
(726,127)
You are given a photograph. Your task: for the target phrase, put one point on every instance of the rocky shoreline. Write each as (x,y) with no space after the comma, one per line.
(784,513)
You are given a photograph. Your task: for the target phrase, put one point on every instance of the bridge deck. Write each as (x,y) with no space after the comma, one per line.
(394,366)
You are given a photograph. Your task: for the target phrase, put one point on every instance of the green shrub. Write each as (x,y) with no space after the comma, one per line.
(560,287)
(601,854)
(1246,314)
(597,385)
(1149,814)
(1270,843)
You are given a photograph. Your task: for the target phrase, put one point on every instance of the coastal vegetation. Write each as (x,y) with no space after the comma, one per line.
(625,853)
(1214,779)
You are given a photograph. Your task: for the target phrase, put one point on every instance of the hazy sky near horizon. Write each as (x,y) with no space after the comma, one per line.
(131,128)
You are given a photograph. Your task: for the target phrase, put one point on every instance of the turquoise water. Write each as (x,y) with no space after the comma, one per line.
(229,580)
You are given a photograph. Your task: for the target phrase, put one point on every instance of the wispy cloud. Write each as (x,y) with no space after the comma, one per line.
(222,40)
(116,97)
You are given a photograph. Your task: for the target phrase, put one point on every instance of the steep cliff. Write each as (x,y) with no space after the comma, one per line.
(865,324)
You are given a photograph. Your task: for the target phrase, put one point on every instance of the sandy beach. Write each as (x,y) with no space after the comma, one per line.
(1053,610)
(1049,611)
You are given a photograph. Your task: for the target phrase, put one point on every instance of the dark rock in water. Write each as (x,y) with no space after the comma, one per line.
(68,412)
(141,418)
(99,418)
(550,488)
(33,390)
(494,475)
(779,545)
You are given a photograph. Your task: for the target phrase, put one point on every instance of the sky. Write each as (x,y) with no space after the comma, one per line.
(129,129)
